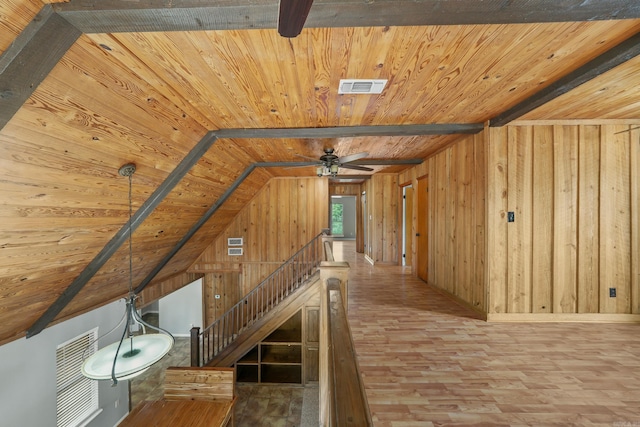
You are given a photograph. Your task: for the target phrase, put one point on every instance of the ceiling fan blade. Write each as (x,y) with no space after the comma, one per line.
(354,167)
(352,157)
(292,16)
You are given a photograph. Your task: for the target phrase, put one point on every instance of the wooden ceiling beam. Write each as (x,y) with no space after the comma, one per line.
(111,16)
(30,58)
(353,131)
(123,234)
(623,52)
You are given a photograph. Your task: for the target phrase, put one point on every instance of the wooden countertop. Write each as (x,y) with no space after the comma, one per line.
(183,413)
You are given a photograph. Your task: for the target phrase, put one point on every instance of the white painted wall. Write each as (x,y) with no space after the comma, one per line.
(28,373)
(182,309)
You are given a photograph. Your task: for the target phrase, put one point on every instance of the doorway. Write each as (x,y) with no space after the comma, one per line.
(343,217)
(407,225)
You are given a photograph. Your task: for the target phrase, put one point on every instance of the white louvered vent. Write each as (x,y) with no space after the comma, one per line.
(234,251)
(234,241)
(362,86)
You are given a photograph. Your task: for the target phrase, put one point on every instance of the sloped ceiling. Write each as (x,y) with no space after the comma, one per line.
(152,97)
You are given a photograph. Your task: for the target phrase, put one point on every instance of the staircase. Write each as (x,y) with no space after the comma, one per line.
(261,311)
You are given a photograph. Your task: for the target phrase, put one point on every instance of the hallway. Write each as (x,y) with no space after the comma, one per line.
(428,361)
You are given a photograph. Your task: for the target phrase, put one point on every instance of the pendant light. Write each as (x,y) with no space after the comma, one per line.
(133,354)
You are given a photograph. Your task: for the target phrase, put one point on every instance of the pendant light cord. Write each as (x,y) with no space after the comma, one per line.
(130,238)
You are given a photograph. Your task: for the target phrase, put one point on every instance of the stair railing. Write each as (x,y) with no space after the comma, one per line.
(256,304)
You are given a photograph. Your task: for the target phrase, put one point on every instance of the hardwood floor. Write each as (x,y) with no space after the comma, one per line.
(426,360)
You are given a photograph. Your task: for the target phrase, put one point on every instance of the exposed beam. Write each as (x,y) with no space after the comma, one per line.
(30,58)
(109,16)
(194,229)
(292,16)
(353,131)
(623,52)
(122,235)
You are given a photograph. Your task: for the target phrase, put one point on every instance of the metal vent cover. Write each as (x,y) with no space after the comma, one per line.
(234,251)
(362,86)
(234,241)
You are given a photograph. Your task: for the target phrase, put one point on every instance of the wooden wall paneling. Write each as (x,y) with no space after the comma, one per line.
(634,136)
(284,239)
(520,231)
(565,208)
(441,219)
(392,221)
(615,220)
(542,215)
(464,241)
(588,240)
(497,172)
(479,196)
(432,213)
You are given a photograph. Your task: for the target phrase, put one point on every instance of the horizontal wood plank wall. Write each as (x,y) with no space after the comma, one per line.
(352,190)
(279,220)
(456,219)
(384,224)
(574,192)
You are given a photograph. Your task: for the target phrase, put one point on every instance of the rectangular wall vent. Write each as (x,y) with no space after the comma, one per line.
(362,86)
(234,241)
(234,251)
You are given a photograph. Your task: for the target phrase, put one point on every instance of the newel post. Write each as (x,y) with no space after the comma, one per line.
(329,271)
(195,346)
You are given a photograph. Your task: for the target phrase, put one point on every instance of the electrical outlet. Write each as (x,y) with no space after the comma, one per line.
(511,216)
(612,292)
(117,402)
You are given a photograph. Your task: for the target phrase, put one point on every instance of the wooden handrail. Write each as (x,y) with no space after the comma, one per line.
(348,402)
(256,304)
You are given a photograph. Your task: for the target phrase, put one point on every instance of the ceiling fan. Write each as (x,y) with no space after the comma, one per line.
(329,163)
(292,16)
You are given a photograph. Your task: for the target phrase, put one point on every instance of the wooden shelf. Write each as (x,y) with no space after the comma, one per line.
(281,354)
(281,374)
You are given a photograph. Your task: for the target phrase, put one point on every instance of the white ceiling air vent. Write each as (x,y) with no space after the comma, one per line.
(362,86)
(234,251)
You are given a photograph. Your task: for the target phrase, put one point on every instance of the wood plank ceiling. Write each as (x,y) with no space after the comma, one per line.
(149,97)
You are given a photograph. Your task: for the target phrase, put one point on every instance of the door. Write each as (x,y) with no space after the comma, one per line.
(422,227)
(407,239)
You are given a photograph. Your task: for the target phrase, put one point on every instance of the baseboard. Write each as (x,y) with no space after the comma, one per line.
(564,317)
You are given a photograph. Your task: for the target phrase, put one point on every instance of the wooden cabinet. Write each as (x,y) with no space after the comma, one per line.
(311,344)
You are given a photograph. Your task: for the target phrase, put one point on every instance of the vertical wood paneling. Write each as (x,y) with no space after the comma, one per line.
(454,212)
(383,195)
(583,213)
(497,250)
(588,224)
(519,231)
(615,220)
(634,136)
(542,245)
(479,193)
(565,205)
(278,221)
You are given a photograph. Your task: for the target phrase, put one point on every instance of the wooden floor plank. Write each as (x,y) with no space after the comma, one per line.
(426,360)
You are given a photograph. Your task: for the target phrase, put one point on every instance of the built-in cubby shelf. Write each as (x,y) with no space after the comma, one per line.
(276,359)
